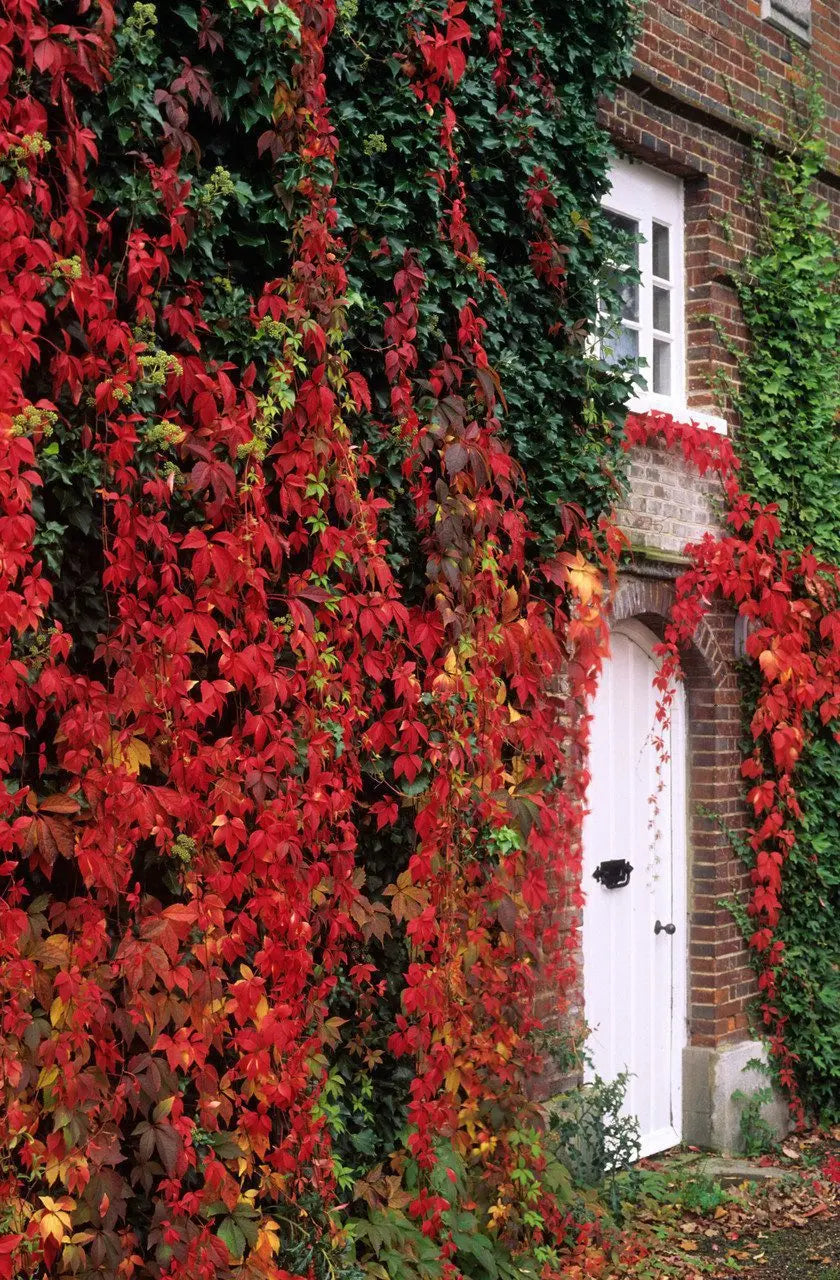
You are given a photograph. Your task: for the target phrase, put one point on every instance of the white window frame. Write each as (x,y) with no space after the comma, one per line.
(647,196)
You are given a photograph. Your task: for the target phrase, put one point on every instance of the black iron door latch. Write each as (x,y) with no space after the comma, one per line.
(614,874)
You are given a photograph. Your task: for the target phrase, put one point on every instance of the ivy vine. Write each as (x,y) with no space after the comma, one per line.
(787,400)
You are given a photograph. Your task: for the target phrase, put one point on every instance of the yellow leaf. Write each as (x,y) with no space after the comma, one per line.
(268,1240)
(583,577)
(134,755)
(162,1109)
(47,1077)
(452,1080)
(57,1012)
(56,1222)
(55,1225)
(53,952)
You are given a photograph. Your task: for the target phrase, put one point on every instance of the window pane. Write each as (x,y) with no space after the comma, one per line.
(627,345)
(621,344)
(628,290)
(661,367)
(628,227)
(630,301)
(661,309)
(661,252)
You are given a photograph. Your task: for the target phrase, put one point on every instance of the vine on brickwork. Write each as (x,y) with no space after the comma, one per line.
(787,401)
(286,801)
(304,466)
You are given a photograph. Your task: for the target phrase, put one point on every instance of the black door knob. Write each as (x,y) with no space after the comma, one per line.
(659,927)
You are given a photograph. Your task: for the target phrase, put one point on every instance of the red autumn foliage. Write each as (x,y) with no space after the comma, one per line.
(162,1056)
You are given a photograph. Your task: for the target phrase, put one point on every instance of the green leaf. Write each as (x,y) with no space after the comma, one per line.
(233,1236)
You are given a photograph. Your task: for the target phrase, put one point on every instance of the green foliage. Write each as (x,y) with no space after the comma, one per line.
(787,402)
(809,980)
(676,1189)
(564,407)
(701,1195)
(393,1237)
(758,1137)
(595,1141)
(790,376)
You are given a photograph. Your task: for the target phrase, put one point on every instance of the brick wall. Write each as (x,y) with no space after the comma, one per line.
(667,504)
(708,77)
(720,60)
(692,107)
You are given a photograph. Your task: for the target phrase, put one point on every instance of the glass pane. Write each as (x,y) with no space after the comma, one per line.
(661,367)
(628,227)
(661,309)
(661,252)
(630,301)
(616,277)
(621,344)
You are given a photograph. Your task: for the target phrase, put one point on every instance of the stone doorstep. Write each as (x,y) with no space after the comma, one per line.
(730,1171)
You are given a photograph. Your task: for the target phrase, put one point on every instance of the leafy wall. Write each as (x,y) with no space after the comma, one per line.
(290,295)
(787,404)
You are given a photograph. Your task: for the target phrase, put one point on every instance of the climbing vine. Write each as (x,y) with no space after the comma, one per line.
(287,796)
(790,602)
(305,472)
(787,403)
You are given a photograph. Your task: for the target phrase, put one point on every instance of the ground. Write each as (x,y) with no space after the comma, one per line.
(775,1217)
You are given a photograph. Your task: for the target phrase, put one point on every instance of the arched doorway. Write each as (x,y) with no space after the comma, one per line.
(635,923)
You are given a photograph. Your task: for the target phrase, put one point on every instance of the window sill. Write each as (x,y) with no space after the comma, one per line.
(784,17)
(648,402)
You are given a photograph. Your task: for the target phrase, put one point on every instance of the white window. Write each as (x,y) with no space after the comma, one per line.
(651,331)
(793,16)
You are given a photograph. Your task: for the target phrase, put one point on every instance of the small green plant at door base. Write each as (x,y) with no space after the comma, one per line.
(758,1137)
(701,1195)
(596,1143)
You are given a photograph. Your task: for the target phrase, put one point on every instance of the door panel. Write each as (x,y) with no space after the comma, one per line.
(634,978)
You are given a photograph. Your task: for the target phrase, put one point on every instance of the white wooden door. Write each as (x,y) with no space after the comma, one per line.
(634,974)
